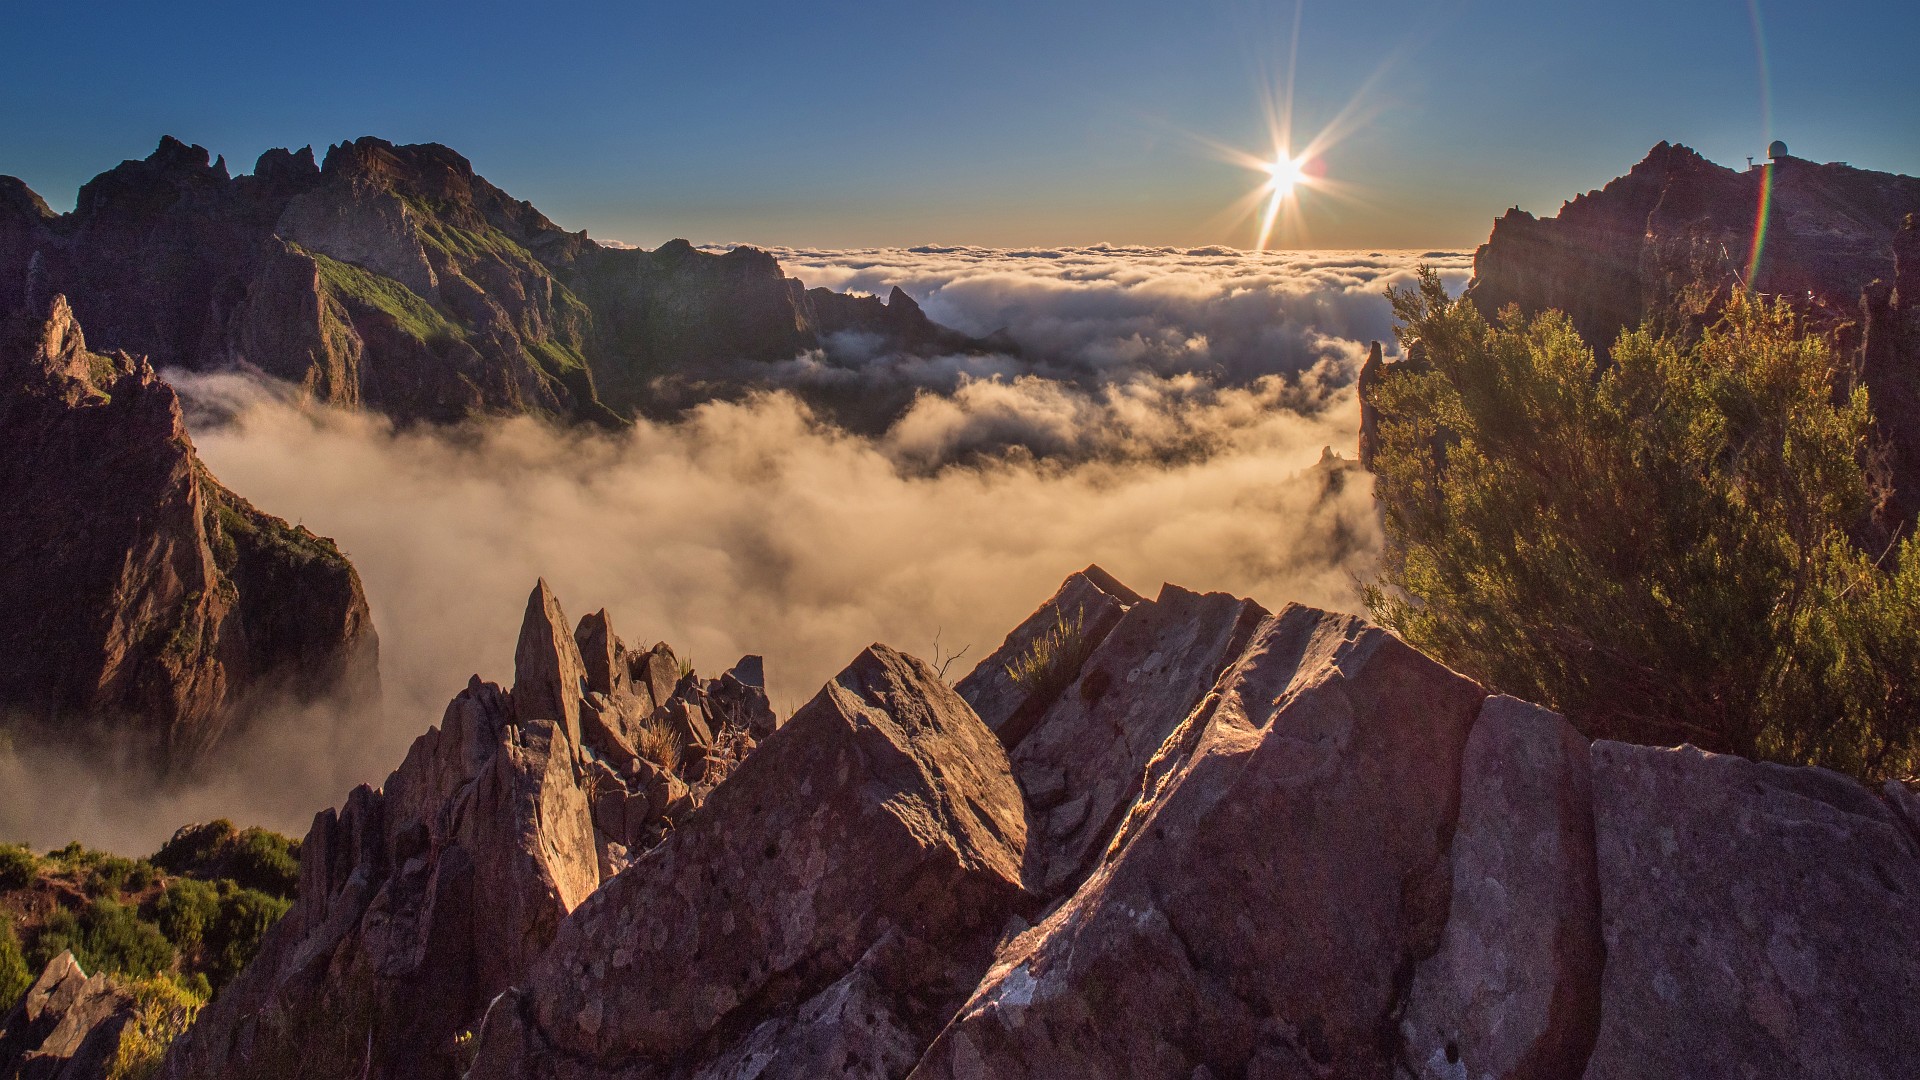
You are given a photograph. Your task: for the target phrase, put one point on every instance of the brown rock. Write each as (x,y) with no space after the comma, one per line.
(1759,920)
(1266,897)
(1083,763)
(659,670)
(549,677)
(689,722)
(599,652)
(603,730)
(1367,388)
(1515,989)
(67,1027)
(884,806)
(738,699)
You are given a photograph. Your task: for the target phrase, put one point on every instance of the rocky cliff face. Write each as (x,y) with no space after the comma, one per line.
(1831,239)
(138,595)
(395,278)
(1179,837)
(1615,256)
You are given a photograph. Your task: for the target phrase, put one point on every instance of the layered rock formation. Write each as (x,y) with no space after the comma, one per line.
(1828,237)
(422,901)
(138,596)
(394,277)
(1178,837)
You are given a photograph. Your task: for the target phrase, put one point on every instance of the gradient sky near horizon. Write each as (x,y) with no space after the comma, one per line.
(1042,122)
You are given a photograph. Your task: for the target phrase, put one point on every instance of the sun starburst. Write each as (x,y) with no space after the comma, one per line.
(1294,170)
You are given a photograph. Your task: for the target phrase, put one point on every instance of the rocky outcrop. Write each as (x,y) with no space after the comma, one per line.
(1302,850)
(138,597)
(422,901)
(864,851)
(1077,619)
(1889,353)
(1084,761)
(396,278)
(68,1026)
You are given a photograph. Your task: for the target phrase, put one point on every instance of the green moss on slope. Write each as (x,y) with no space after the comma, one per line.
(413,315)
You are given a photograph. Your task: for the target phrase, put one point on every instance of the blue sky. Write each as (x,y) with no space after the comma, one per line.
(831,123)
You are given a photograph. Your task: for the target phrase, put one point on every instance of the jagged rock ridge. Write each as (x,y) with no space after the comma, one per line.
(138,596)
(1279,845)
(395,278)
(422,901)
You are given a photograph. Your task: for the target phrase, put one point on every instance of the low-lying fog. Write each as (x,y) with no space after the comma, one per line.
(1164,421)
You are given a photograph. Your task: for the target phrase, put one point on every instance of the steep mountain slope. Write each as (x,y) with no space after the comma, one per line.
(395,278)
(137,595)
(1189,839)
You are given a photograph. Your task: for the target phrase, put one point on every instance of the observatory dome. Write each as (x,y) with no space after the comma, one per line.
(1776,149)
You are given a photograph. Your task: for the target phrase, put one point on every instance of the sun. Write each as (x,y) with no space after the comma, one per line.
(1284,174)
(1287,175)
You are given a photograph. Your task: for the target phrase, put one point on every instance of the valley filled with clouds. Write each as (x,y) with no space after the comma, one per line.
(1161,413)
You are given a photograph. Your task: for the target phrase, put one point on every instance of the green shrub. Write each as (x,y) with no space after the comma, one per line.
(107,936)
(1659,546)
(111,874)
(234,937)
(184,911)
(59,933)
(194,848)
(114,939)
(18,866)
(265,861)
(15,976)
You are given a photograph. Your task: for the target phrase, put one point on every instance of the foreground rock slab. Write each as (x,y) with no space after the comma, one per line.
(1255,913)
(1515,989)
(1320,854)
(1759,921)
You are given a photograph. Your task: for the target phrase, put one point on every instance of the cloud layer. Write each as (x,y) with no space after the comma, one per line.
(1169,424)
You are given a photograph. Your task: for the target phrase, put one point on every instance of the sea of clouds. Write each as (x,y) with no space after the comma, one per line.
(1165,415)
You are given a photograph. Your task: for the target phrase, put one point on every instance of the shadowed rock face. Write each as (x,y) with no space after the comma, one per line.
(137,595)
(395,278)
(1308,851)
(1759,920)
